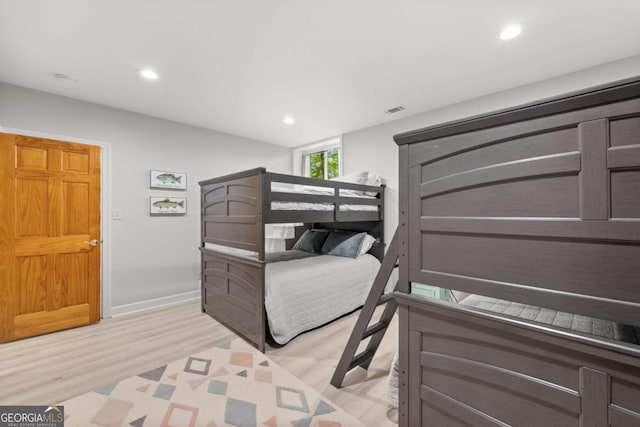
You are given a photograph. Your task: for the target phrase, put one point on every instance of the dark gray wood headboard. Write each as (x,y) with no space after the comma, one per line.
(539,205)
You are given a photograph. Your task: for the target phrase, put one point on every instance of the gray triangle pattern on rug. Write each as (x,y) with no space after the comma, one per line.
(154,374)
(323,408)
(265,363)
(106,390)
(139,422)
(302,422)
(242,373)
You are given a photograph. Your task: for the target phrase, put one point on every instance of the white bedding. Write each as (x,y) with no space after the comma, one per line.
(283,187)
(393,389)
(305,293)
(304,206)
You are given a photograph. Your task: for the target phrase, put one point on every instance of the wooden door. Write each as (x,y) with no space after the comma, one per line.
(49,216)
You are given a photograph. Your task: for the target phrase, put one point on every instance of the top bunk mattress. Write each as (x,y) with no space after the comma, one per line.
(282,187)
(305,206)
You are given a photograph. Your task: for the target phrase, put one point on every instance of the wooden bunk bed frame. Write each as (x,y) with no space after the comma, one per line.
(234,211)
(539,205)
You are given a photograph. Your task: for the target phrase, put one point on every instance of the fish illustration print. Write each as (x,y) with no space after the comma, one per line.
(169,178)
(168,204)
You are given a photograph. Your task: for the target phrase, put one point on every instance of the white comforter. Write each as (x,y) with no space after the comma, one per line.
(304,206)
(312,189)
(305,293)
(318,189)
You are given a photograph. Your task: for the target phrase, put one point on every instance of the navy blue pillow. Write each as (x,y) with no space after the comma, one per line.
(311,241)
(343,243)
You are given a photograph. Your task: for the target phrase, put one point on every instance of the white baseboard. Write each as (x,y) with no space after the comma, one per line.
(154,303)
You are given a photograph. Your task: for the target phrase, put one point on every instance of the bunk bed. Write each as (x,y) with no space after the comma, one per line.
(536,206)
(247,288)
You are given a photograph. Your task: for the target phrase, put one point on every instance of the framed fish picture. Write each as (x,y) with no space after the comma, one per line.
(171,180)
(167,205)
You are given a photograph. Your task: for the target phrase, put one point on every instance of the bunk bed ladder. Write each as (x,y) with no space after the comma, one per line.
(362,330)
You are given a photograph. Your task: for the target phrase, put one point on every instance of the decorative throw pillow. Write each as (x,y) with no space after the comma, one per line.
(311,241)
(363,178)
(343,243)
(375,180)
(367,243)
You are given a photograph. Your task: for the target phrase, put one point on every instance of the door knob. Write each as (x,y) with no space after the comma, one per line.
(94,242)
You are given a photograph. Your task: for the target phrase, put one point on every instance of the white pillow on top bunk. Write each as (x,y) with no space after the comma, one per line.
(376,180)
(362,178)
(353,178)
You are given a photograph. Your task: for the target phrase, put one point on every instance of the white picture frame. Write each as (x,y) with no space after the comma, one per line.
(168,180)
(167,205)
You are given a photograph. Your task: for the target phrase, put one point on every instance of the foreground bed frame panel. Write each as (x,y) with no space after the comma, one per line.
(538,205)
(234,210)
(469,368)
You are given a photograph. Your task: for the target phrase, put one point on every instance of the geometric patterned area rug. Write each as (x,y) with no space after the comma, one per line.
(229,385)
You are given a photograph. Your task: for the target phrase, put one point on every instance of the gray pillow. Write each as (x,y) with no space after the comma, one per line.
(311,241)
(343,243)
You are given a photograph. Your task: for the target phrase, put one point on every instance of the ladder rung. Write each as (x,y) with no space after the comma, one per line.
(376,327)
(360,359)
(385,298)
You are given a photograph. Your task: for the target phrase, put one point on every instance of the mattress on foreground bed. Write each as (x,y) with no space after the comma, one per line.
(589,325)
(599,327)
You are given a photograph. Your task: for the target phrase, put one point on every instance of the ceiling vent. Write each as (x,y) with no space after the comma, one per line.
(394,110)
(63,78)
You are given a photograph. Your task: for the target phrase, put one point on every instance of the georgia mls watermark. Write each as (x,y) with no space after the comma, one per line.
(31,416)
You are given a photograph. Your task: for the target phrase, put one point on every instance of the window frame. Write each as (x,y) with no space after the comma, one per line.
(325,172)
(301,155)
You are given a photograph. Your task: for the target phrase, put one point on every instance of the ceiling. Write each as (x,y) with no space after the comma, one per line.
(240,66)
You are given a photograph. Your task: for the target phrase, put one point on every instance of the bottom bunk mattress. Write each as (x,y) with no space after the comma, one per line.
(302,294)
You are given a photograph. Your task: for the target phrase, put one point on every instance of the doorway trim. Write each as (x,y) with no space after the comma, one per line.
(105,208)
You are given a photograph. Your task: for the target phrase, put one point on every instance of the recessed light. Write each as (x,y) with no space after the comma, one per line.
(288,120)
(148,73)
(395,109)
(511,31)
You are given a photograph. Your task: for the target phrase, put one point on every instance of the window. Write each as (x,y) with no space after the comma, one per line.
(320,160)
(323,164)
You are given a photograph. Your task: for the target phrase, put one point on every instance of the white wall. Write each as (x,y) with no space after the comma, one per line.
(373,148)
(158,257)
(152,257)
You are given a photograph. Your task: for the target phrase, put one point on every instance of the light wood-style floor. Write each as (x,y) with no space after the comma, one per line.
(58,366)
